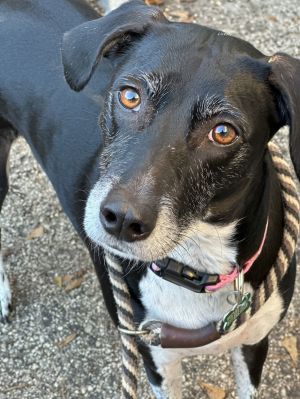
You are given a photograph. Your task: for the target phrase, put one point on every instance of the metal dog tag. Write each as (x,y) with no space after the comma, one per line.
(236,311)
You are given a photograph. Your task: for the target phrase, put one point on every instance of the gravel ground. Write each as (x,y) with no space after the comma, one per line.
(36,360)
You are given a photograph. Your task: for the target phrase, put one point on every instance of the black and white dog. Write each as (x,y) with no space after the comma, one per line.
(177,167)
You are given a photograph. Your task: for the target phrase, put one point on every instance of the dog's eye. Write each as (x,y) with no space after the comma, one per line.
(223,134)
(129,98)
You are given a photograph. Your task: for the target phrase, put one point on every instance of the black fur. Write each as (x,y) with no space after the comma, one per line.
(133,46)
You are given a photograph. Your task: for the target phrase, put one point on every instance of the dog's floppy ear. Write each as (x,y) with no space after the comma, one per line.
(285,77)
(86,44)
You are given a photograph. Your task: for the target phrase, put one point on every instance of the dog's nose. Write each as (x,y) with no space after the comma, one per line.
(126,222)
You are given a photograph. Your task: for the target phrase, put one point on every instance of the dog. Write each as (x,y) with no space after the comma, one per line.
(176,168)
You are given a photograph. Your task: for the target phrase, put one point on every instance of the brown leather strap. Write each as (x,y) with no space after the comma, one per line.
(174,337)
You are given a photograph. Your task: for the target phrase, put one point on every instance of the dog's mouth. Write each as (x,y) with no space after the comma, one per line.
(114,250)
(211,251)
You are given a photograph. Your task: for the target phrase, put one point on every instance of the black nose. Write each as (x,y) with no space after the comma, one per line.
(126,222)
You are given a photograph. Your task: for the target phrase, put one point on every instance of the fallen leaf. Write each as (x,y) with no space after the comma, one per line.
(58,281)
(212,391)
(154,2)
(273,18)
(66,278)
(73,284)
(66,341)
(70,281)
(80,273)
(182,15)
(36,232)
(290,344)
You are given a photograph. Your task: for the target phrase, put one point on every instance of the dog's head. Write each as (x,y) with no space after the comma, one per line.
(186,124)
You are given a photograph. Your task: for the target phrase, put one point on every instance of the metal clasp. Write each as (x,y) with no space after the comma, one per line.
(235,297)
(239,286)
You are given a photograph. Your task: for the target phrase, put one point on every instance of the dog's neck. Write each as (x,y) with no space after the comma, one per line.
(264,201)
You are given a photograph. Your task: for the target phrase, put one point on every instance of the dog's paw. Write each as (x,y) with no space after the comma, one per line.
(5,297)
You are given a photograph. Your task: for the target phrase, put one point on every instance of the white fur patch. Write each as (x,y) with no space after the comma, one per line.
(169,303)
(158,392)
(244,386)
(171,387)
(156,246)
(207,247)
(5,293)
(92,224)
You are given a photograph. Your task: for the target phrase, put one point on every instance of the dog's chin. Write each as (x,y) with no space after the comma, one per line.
(117,252)
(125,255)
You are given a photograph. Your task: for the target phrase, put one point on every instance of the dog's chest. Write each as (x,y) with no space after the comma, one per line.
(169,303)
(179,307)
(212,251)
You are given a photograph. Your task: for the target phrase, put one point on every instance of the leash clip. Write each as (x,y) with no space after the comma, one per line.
(132,332)
(148,332)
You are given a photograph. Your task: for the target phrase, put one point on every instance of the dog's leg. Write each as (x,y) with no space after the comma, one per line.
(7,135)
(164,374)
(248,361)
(170,386)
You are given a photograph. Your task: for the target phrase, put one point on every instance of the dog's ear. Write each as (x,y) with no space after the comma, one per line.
(285,78)
(85,45)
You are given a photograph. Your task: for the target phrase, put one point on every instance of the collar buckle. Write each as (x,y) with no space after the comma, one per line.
(184,276)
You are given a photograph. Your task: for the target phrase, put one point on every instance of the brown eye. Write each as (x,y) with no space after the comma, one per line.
(129,98)
(223,134)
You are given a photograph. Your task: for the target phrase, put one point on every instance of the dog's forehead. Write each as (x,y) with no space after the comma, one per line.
(190,46)
(194,64)
(195,58)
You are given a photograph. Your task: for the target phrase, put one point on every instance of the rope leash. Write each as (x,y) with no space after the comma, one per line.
(289,239)
(125,316)
(260,296)
(290,233)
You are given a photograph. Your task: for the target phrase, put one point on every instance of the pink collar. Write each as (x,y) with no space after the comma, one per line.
(226,279)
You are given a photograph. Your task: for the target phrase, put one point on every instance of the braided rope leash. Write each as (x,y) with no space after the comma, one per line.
(125,316)
(289,239)
(260,296)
